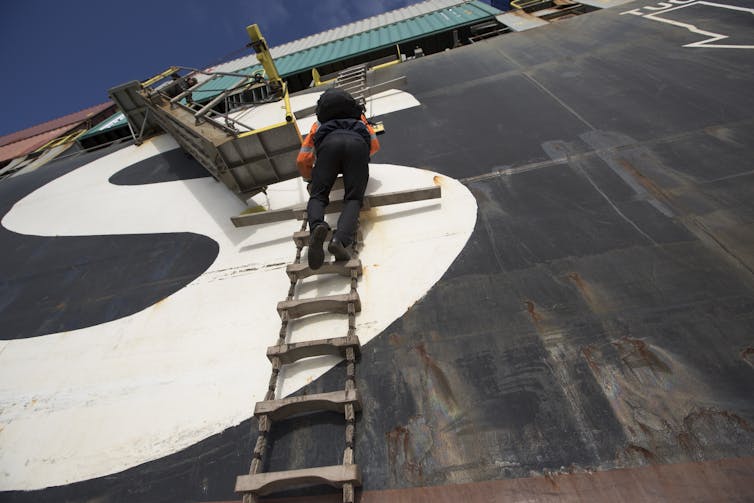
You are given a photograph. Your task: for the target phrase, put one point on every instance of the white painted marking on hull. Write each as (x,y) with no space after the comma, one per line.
(665,7)
(381,103)
(95,401)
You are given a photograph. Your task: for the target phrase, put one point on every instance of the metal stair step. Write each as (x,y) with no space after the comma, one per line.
(352,90)
(352,86)
(328,304)
(355,79)
(352,70)
(266,483)
(351,79)
(290,353)
(344,268)
(335,401)
(348,86)
(351,75)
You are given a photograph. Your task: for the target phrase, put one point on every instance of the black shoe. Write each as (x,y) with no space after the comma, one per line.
(316,255)
(338,250)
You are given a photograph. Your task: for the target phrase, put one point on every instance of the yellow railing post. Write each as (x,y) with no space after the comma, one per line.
(160,76)
(259,44)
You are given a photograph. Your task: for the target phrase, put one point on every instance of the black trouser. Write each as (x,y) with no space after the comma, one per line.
(343,152)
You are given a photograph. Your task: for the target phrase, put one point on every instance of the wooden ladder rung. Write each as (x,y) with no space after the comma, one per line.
(344,268)
(301,238)
(370,201)
(266,483)
(335,401)
(290,353)
(329,304)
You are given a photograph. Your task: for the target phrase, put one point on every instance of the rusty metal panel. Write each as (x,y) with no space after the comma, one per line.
(30,144)
(723,480)
(68,120)
(47,156)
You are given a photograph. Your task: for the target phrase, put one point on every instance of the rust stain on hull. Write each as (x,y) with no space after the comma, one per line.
(590,293)
(405,462)
(437,432)
(646,182)
(663,405)
(438,377)
(536,318)
(395,340)
(702,414)
(716,235)
(586,352)
(748,355)
(636,353)
(720,480)
(643,452)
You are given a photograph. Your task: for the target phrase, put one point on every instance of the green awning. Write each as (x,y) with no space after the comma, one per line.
(403,31)
(399,32)
(219,84)
(112,122)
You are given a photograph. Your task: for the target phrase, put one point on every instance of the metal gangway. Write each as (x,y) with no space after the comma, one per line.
(244,158)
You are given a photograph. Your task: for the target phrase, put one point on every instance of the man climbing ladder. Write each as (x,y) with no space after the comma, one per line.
(341,142)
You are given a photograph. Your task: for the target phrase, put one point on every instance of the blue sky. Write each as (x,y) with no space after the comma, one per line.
(60,57)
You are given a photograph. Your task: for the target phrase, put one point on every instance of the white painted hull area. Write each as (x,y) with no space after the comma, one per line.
(97,400)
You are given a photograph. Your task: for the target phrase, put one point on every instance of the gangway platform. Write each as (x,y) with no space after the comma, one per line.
(245,158)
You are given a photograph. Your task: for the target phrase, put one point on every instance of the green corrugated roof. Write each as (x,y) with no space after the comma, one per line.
(354,45)
(115,120)
(221,83)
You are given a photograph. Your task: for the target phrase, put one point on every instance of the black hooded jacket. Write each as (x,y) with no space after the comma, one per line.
(338,110)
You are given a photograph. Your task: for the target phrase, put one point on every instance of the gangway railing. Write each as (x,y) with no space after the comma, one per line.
(555,8)
(523,4)
(244,158)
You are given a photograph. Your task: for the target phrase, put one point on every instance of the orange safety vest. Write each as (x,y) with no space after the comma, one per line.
(307,155)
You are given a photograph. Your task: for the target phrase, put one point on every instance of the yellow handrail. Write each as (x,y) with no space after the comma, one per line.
(287,101)
(386,65)
(289,119)
(259,44)
(61,140)
(316,77)
(160,76)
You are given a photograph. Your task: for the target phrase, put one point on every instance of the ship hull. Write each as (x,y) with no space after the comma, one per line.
(596,329)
